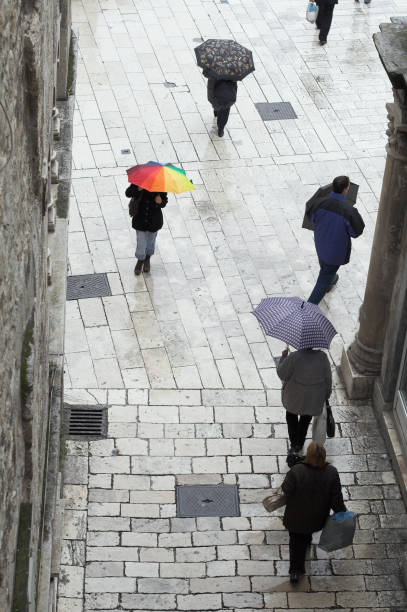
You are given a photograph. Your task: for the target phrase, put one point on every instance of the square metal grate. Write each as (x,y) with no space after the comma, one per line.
(207,500)
(275,111)
(84,422)
(87,286)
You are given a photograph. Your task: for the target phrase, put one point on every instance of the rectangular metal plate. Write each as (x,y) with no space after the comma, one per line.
(207,500)
(85,422)
(87,286)
(275,111)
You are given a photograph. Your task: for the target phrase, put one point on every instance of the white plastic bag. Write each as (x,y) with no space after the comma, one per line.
(319,427)
(312,12)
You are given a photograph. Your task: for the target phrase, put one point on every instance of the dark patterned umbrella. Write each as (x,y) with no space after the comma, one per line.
(297,323)
(224,59)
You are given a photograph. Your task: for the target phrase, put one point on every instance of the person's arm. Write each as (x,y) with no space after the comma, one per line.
(285,366)
(289,485)
(161,199)
(356,224)
(328,378)
(337,503)
(131,191)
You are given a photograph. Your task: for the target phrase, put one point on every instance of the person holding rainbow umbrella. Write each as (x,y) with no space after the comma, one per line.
(150,184)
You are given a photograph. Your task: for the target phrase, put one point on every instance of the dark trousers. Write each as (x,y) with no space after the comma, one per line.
(222,117)
(324,282)
(324,20)
(298,549)
(297,428)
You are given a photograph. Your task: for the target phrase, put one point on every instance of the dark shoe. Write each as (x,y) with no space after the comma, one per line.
(294,449)
(322,42)
(293,458)
(139,267)
(220,133)
(146,267)
(215,113)
(294,577)
(335,280)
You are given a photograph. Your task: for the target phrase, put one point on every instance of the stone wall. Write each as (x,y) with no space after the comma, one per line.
(29,43)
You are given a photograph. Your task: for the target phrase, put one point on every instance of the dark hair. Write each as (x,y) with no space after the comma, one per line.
(340,183)
(316,455)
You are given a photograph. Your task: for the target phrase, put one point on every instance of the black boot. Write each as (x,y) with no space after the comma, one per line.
(139,267)
(146,267)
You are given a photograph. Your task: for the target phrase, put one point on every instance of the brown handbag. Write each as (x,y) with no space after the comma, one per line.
(277,499)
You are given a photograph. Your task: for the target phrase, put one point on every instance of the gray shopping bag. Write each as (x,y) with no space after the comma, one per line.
(338,531)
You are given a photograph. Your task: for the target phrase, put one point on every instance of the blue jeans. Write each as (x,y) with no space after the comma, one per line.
(324,281)
(145,244)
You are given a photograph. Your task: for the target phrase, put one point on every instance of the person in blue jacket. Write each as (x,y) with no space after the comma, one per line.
(335,221)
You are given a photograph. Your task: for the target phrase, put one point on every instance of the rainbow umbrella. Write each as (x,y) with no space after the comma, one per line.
(154,176)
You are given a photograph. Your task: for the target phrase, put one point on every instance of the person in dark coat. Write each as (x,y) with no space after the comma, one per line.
(335,221)
(222,95)
(307,384)
(312,488)
(324,18)
(147,221)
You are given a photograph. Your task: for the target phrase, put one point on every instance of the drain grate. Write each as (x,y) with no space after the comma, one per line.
(87,286)
(84,422)
(275,111)
(207,500)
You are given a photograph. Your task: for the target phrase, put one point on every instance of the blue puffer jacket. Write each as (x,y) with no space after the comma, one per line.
(336,222)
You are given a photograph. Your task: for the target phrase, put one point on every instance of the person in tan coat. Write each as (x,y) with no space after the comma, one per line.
(307,384)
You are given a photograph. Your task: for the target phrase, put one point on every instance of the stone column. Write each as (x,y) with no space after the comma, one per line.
(361,363)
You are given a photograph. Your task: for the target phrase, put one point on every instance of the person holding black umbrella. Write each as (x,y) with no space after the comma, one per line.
(222,95)
(335,222)
(223,62)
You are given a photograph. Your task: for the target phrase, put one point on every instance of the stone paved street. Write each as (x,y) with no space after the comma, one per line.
(187,373)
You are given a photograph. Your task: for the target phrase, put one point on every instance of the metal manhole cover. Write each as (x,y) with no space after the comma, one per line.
(207,500)
(87,286)
(85,422)
(275,111)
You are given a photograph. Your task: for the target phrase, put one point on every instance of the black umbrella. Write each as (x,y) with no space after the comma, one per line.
(323,192)
(224,59)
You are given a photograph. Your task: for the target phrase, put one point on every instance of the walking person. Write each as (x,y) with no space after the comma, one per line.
(222,95)
(147,220)
(336,221)
(324,18)
(312,489)
(307,384)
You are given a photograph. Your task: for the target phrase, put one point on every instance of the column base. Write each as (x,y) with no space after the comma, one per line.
(358,386)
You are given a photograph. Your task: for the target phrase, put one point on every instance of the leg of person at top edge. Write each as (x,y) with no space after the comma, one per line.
(324,19)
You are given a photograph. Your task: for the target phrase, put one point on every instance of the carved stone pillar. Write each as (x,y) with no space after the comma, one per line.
(361,363)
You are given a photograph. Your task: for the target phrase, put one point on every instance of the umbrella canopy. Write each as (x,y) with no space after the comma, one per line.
(297,323)
(153,176)
(323,192)
(224,59)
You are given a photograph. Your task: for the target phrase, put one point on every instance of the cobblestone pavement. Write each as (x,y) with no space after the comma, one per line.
(187,373)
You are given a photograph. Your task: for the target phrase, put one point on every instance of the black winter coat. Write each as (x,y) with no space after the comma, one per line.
(311,493)
(221,103)
(149,217)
